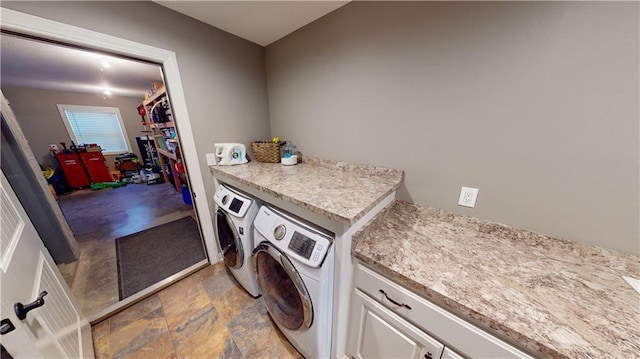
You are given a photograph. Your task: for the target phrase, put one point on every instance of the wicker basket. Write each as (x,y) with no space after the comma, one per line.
(266,151)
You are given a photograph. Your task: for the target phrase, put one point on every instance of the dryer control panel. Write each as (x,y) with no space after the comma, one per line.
(298,240)
(231,201)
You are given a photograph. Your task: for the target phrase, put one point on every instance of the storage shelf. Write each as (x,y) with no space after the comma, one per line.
(163,125)
(165,157)
(167,153)
(161,92)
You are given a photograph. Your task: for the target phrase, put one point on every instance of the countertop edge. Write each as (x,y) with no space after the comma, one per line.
(392,174)
(315,209)
(531,344)
(374,203)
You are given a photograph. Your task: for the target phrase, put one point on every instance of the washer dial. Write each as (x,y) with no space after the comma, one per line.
(280,231)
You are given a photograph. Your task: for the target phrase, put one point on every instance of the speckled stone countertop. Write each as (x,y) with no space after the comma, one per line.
(554,297)
(340,191)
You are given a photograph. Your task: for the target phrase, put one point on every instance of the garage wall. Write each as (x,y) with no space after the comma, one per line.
(39,118)
(534,103)
(223,76)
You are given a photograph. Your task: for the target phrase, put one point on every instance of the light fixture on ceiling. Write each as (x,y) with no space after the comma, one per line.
(104,64)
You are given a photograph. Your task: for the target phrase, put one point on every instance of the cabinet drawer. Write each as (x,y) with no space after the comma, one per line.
(457,333)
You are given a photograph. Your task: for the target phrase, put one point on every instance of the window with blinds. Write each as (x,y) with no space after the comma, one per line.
(100,125)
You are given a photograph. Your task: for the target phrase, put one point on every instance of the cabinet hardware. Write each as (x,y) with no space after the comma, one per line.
(428,356)
(393,301)
(7,326)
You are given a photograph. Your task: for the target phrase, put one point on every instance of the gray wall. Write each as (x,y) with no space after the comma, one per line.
(223,76)
(38,115)
(536,104)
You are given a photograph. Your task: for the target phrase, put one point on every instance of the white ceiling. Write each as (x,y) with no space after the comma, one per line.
(36,64)
(261,22)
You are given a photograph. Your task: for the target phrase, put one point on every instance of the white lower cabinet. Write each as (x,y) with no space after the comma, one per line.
(384,335)
(388,321)
(450,354)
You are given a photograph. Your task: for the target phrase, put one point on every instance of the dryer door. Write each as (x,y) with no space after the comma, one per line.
(230,242)
(284,293)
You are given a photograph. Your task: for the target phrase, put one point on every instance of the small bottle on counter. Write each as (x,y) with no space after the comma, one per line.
(288,155)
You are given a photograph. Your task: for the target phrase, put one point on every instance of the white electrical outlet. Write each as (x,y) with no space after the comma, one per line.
(468,197)
(211,159)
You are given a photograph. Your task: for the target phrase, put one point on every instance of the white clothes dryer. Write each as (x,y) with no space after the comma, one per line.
(294,266)
(234,230)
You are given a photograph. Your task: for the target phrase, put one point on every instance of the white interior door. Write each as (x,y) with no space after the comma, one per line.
(56,329)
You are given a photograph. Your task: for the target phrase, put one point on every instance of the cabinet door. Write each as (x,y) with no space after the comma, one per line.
(450,354)
(377,332)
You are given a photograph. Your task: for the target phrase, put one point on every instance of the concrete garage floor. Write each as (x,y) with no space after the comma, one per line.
(97,218)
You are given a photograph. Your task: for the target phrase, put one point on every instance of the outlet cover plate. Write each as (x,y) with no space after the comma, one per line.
(211,159)
(468,197)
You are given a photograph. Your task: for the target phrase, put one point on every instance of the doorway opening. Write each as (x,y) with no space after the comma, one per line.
(130,227)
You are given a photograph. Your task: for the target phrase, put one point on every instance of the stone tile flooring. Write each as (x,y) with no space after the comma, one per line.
(97,218)
(205,315)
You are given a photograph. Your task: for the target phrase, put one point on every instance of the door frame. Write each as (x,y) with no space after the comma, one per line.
(48,29)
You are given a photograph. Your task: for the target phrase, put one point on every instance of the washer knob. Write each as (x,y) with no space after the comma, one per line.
(225,199)
(279,232)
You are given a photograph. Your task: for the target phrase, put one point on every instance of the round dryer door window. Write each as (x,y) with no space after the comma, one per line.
(229,240)
(283,290)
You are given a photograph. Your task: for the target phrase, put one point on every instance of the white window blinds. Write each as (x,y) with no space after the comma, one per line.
(99,125)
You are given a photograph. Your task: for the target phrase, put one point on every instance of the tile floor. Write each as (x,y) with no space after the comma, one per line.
(205,315)
(97,218)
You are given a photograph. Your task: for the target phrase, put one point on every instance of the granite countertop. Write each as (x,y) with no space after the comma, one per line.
(554,297)
(340,191)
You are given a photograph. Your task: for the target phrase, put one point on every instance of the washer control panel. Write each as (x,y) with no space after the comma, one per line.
(298,240)
(279,232)
(302,245)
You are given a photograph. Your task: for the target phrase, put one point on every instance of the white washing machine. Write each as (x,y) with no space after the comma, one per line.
(234,230)
(294,266)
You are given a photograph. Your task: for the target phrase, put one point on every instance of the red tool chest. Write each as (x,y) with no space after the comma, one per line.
(97,169)
(73,170)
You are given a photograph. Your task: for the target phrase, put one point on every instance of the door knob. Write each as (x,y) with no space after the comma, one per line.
(22,309)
